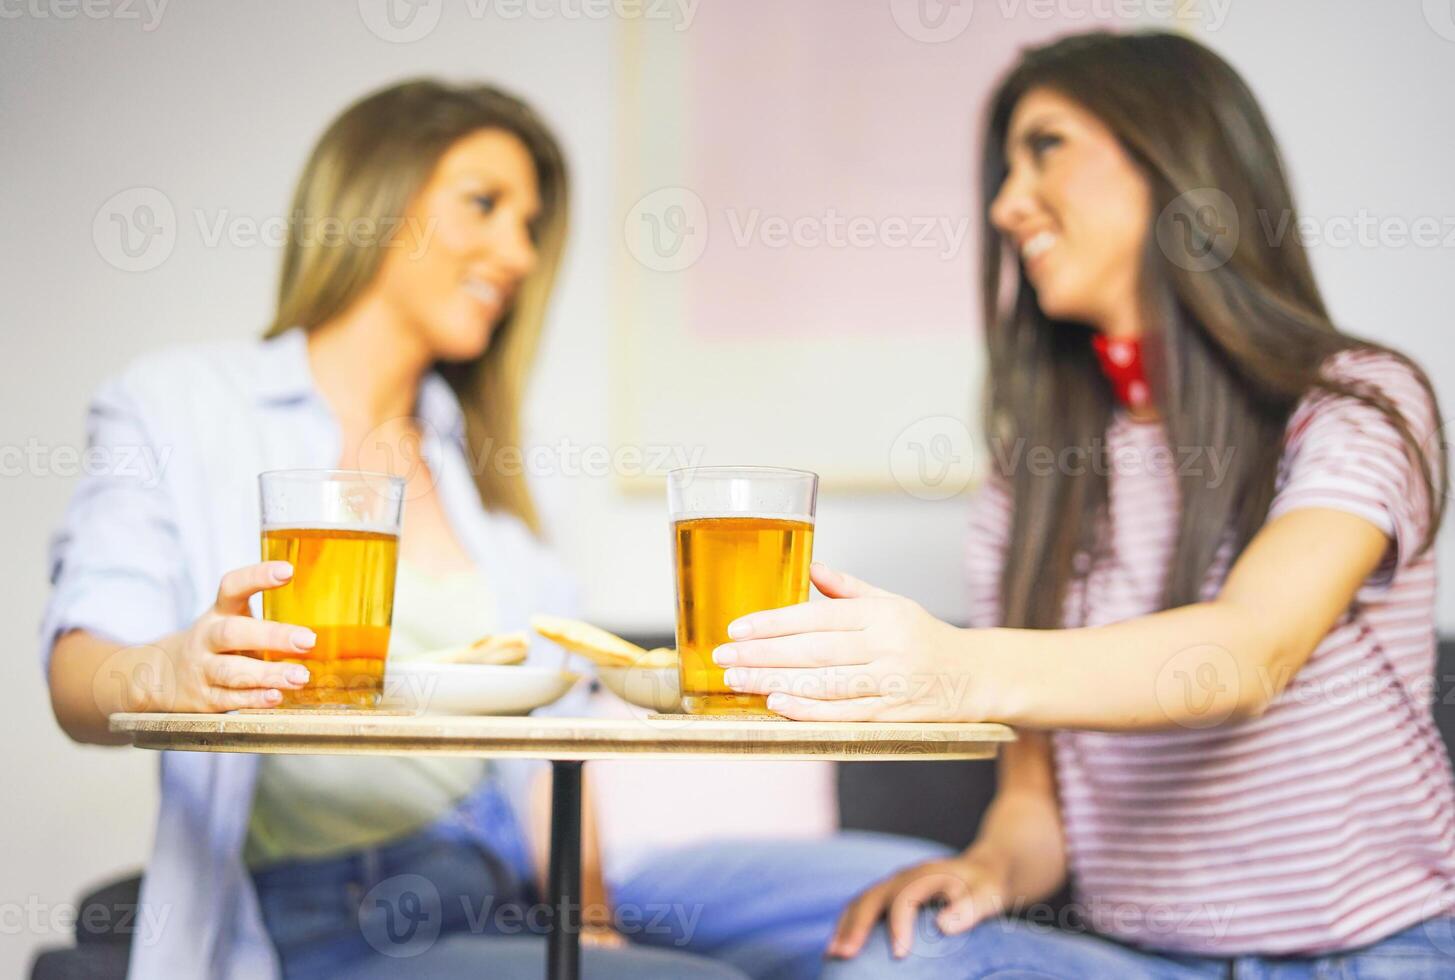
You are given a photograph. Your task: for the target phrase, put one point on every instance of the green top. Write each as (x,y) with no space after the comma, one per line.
(313,806)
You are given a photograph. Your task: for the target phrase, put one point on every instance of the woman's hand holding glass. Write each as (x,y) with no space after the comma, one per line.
(867,655)
(210,659)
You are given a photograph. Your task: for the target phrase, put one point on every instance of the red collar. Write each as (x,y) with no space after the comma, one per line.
(1121,362)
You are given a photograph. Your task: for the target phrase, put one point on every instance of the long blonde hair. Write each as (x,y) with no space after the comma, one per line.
(366,169)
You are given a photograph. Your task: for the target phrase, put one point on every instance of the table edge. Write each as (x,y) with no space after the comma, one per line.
(558,738)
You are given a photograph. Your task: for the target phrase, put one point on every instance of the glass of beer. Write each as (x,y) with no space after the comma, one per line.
(742,538)
(339,529)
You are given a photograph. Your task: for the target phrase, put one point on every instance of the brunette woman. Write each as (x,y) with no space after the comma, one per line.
(1202,581)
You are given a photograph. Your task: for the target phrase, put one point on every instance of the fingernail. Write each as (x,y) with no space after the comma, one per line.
(724,656)
(304,639)
(739,629)
(298,675)
(818,566)
(733,678)
(273,697)
(777,702)
(282,571)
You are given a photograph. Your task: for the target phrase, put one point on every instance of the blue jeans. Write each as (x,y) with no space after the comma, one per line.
(452,901)
(456,900)
(1007,949)
(766,907)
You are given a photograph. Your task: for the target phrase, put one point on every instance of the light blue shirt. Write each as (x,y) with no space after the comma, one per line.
(147,537)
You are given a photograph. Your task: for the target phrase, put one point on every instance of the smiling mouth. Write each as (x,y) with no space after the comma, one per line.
(485,292)
(1037,245)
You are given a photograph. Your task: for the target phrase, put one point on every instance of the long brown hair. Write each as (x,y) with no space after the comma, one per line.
(368,166)
(1233,344)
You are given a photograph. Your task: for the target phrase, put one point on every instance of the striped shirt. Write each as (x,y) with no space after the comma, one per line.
(1324,824)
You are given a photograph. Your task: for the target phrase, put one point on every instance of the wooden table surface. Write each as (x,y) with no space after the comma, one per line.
(654,737)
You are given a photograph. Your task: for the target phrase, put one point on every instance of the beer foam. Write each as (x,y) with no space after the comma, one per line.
(717,515)
(334,526)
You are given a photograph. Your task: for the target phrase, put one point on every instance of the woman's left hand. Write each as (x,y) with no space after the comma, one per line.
(866,655)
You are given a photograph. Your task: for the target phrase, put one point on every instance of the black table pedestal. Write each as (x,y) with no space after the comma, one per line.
(563,954)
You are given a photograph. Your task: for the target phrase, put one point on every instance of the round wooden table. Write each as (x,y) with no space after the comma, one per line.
(566,743)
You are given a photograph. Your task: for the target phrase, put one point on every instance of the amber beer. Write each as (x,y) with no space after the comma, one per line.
(742,541)
(343,590)
(728,567)
(339,529)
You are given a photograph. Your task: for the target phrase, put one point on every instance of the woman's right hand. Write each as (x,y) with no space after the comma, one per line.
(974,886)
(211,661)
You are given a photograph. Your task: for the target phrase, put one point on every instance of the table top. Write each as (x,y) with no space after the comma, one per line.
(364,732)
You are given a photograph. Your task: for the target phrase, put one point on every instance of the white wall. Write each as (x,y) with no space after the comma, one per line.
(217,106)
(1358,96)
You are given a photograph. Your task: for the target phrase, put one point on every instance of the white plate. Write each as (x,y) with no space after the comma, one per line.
(472,689)
(646,687)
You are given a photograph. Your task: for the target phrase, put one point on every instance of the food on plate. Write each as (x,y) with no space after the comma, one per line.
(492,648)
(657,659)
(592,642)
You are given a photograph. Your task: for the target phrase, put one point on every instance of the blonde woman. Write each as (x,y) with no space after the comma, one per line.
(426,232)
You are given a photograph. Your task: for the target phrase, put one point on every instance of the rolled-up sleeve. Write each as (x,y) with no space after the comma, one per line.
(1345,454)
(116,563)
